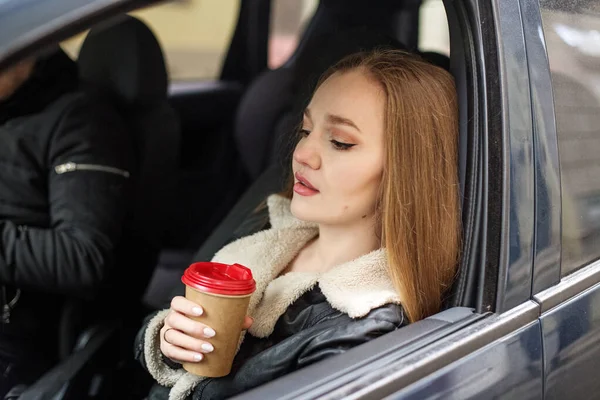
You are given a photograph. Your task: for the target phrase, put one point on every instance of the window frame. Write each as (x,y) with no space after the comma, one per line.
(41,23)
(436,350)
(242,61)
(547,256)
(516,247)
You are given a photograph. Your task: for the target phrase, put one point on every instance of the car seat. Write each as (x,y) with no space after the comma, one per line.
(271,107)
(243,220)
(124,64)
(265,107)
(266,120)
(268,109)
(268,114)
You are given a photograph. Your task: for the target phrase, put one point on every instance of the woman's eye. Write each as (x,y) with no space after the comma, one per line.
(342,146)
(304,132)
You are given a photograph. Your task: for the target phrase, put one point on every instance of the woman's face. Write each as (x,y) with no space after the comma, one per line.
(338,162)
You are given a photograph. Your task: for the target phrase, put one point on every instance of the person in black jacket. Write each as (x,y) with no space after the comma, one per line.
(65,161)
(364,240)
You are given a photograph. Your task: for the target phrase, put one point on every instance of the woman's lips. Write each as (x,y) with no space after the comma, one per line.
(303,187)
(304,190)
(305,181)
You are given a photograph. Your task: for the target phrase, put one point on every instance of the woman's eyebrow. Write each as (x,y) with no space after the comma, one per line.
(337,120)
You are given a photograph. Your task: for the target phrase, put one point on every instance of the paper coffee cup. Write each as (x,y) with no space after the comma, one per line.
(223,291)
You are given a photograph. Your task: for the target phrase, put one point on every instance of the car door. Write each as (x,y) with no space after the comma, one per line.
(570,308)
(493,347)
(502,354)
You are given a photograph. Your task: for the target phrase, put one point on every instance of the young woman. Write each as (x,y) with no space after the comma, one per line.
(365,240)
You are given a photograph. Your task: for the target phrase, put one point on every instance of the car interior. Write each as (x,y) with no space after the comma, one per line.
(209,155)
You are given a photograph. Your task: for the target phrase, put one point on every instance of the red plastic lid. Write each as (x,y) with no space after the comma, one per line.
(210,277)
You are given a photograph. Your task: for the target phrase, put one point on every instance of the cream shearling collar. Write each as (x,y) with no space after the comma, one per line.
(355,287)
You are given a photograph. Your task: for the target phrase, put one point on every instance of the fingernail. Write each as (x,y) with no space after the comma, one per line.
(198,357)
(197,310)
(207,347)
(208,332)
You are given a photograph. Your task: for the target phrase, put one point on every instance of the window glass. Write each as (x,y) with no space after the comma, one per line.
(72,45)
(572,31)
(288,21)
(433,27)
(194,35)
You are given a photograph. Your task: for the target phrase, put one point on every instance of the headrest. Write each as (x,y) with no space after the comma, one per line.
(438,59)
(272,106)
(126,59)
(320,52)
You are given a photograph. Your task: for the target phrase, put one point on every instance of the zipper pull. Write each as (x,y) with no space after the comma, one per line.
(9,305)
(5,307)
(6,314)
(66,167)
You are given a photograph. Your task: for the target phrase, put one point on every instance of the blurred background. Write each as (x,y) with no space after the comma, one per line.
(195,34)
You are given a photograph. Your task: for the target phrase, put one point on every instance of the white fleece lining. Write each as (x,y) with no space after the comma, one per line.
(355,287)
(184,386)
(161,372)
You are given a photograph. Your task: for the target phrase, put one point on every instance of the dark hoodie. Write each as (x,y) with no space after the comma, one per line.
(64,162)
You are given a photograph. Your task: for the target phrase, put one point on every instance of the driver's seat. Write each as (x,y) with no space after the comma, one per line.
(123,63)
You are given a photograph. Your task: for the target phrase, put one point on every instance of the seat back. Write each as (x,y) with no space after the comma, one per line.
(270,108)
(266,118)
(124,62)
(265,125)
(268,111)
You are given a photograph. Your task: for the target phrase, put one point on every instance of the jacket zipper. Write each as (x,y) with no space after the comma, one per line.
(7,306)
(71,166)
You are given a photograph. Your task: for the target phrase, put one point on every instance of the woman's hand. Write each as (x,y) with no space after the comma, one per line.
(183,339)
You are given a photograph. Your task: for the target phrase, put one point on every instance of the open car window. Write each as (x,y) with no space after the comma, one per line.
(195,46)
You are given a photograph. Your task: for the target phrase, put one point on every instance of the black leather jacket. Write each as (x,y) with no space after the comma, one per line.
(309,331)
(65,159)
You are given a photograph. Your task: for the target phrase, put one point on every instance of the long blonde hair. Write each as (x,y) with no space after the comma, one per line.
(418,205)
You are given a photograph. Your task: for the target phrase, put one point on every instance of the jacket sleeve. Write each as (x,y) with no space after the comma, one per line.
(336,341)
(296,352)
(147,351)
(86,206)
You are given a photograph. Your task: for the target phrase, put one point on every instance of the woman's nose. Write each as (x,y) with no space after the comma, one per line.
(307,153)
